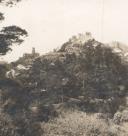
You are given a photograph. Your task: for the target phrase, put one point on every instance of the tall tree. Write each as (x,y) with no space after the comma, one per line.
(10,35)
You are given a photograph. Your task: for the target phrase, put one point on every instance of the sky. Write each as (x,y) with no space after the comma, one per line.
(50,23)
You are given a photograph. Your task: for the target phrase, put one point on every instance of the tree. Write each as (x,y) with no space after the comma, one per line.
(9,2)
(1,16)
(10,35)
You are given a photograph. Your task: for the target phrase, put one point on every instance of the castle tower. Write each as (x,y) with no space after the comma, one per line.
(88,35)
(33,50)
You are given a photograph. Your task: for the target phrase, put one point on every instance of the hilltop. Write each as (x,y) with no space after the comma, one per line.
(81,68)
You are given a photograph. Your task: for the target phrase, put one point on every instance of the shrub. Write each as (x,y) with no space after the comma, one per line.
(79,124)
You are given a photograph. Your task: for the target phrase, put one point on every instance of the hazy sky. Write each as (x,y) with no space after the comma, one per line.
(50,23)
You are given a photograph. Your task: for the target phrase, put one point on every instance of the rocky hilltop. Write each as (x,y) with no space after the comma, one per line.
(82,68)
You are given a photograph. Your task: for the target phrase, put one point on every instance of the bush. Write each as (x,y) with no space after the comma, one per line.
(6,126)
(80,124)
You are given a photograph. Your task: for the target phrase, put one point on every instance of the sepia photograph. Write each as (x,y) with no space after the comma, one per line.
(63,67)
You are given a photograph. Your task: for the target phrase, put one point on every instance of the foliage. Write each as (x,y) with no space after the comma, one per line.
(9,2)
(10,35)
(80,124)
(6,126)
(1,16)
(97,72)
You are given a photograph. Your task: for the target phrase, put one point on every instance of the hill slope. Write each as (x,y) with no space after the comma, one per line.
(80,70)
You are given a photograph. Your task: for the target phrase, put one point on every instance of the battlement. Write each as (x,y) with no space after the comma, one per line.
(81,38)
